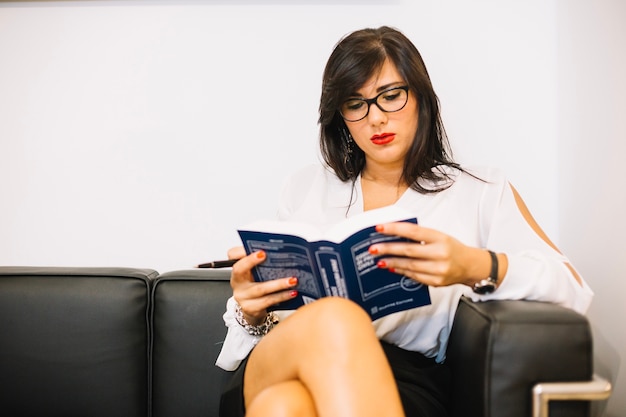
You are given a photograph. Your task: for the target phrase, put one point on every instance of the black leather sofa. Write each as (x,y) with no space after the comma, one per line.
(130,342)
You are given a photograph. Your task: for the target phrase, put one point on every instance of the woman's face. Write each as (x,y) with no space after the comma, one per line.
(385,137)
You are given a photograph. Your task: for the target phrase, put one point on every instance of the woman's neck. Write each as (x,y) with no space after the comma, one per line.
(383,175)
(381,187)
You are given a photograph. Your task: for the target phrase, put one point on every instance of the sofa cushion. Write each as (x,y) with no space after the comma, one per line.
(188,332)
(74,341)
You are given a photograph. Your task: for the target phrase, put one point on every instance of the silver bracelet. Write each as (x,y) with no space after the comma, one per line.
(262,329)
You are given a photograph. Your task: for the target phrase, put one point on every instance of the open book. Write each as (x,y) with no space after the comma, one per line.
(335,262)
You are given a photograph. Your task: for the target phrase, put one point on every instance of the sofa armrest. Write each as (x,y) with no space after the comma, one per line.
(499,350)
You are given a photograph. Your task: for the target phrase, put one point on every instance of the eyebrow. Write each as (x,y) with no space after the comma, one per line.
(382,88)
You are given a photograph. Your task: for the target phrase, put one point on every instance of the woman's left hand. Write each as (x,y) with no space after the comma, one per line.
(433,258)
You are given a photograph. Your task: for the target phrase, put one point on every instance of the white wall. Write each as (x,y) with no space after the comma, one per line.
(141,133)
(592,183)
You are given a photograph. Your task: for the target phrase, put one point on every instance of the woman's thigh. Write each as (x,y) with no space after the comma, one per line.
(300,346)
(330,346)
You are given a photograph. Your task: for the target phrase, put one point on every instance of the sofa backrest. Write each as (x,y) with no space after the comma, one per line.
(74,341)
(188,331)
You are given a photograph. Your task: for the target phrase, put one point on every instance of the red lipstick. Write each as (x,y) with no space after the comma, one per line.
(383,138)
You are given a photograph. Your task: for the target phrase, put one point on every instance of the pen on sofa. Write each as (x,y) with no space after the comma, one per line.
(218,264)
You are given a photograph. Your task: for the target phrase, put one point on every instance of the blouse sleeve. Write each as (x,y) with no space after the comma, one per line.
(238,343)
(536,271)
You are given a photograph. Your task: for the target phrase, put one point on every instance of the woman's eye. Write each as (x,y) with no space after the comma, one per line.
(354,104)
(391,96)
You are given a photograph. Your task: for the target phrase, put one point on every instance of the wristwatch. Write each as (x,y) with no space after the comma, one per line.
(489,284)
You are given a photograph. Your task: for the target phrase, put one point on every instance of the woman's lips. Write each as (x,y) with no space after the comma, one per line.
(383,138)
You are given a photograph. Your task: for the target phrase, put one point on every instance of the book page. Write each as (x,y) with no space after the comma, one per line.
(335,233)
(343,230)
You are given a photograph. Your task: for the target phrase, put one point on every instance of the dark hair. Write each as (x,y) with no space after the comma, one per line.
(354,60)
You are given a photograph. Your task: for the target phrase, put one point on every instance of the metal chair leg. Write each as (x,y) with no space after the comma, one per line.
(543,392)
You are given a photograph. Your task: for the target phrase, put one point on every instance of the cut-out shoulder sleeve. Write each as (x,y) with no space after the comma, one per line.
(537,270)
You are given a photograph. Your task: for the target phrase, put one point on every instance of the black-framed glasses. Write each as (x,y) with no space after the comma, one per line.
(389,101)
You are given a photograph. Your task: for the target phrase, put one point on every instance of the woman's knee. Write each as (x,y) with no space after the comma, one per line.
(327,331)
(285,399)
(336,314)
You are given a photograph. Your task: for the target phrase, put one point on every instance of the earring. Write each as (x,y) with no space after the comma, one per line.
(348,143)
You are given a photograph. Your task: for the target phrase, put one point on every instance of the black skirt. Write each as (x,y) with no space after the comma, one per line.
(424,385)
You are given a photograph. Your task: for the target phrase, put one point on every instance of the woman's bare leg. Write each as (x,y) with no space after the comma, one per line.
(286,399)
(331,349)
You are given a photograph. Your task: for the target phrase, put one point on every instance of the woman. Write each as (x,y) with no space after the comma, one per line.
(383,144)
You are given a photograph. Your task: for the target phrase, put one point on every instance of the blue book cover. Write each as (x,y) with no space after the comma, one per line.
(335,262)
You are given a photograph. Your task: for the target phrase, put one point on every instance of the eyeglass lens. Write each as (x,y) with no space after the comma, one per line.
(391,100)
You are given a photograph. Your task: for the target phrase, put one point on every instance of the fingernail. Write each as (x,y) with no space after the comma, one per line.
(392,270)
(260,254)
(293,293)
(373,250)
(381,264)
(380,228)
(293,281)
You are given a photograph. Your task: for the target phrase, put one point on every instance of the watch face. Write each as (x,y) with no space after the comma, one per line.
(486,286)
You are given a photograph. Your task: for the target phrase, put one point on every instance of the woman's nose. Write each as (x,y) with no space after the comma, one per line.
(376,116)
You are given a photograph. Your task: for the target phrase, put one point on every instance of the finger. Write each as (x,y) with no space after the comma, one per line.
(257,307)
(432,280)
(258,297)
(437,270)
(242,269)
(410,231)
(417,250)
(264,289)
(237,252)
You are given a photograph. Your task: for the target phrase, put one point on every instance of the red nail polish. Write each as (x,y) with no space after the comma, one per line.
(373,250)
(293,281)
(293,293)
(260,254)
(391,270)
(380,228)
(381,264)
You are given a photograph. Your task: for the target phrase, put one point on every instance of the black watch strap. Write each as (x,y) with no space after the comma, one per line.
(489,284)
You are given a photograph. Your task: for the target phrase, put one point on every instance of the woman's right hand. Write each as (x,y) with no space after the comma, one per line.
(255,297)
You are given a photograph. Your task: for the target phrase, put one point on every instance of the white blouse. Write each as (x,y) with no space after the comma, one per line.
(478,213)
